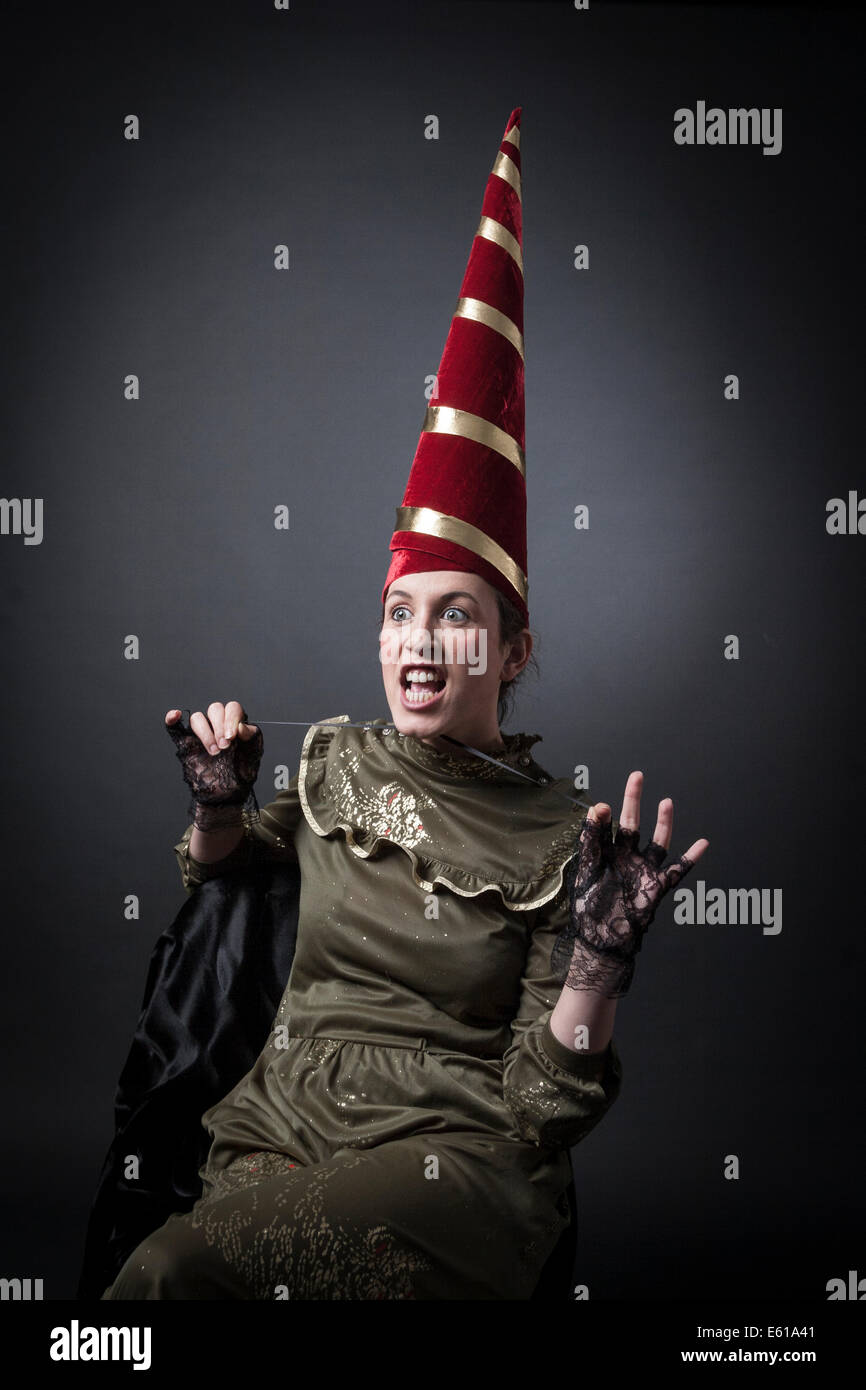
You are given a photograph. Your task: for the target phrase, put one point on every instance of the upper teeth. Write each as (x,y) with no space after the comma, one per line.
(422,675)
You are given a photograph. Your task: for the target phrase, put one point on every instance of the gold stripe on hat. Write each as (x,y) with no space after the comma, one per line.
(445,419)
(513,135)
(485,313)
(428,522)
(494,231)
(505,167)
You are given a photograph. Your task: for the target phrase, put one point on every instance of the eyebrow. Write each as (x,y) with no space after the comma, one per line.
(452,593)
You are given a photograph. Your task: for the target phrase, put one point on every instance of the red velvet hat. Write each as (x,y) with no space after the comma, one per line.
(465,502)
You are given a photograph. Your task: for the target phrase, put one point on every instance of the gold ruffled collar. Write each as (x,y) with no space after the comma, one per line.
(463,822)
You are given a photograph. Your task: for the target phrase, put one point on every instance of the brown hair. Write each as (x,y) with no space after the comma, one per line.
(511,624)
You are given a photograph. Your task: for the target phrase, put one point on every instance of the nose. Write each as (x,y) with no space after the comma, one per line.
(419,641)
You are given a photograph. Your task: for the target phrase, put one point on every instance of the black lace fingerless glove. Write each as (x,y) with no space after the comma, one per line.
(613,891)
(221,784)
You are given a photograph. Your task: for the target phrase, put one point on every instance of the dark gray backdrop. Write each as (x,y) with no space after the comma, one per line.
(306,388)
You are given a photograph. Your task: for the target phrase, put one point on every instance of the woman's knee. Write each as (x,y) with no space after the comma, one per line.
(174,1263)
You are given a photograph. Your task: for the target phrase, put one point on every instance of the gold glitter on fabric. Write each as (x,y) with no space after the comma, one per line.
(552,1106)
(564,845)
(535,1109)
(290,1243)
(322,1050)
(249,1169)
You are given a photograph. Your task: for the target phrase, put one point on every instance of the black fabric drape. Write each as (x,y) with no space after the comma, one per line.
(214,984)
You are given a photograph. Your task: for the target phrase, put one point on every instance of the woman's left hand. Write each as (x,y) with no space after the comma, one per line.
(614,890)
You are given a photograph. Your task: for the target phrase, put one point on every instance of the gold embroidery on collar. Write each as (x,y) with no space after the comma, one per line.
(390,810)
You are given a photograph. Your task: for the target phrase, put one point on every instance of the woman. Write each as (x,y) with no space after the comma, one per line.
(405,1131)
(446,1031)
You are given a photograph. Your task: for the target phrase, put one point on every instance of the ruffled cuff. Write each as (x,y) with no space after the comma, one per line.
(194,872)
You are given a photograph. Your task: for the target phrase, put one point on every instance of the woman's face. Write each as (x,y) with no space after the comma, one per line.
(441,657)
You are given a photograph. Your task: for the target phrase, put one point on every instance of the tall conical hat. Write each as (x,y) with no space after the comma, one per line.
(465,502)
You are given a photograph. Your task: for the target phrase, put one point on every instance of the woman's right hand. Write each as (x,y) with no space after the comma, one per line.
(220,755)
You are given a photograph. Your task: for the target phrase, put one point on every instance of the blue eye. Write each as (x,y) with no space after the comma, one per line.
(399,608)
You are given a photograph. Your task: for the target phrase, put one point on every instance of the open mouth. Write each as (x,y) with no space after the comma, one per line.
(421,686)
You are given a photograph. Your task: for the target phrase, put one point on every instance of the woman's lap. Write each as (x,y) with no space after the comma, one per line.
(434,1216)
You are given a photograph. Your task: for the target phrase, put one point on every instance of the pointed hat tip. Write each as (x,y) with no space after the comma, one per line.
(464,507)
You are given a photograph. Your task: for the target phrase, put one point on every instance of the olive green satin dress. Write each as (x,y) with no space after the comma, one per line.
(405,1131)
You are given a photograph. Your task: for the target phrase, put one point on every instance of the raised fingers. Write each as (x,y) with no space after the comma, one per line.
(664,823)
(629,817)
(696,850)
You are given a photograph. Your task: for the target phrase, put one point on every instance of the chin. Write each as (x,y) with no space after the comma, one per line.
(422,723)
(418,724)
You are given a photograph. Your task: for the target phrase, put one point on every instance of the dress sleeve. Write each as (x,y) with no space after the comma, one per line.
(556,1094)
(269,839)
